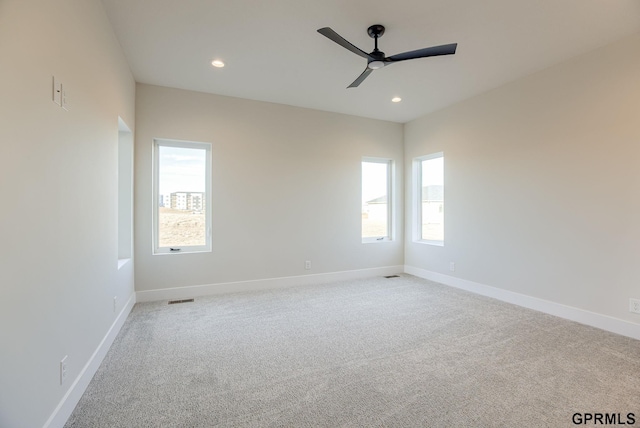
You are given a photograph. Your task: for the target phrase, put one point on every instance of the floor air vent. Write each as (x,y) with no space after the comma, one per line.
(172,302)
(393,276)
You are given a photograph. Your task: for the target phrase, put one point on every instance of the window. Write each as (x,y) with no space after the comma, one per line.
(182,197)
(376,200)
(429,201)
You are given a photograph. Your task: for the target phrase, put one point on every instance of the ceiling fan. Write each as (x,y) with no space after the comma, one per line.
(376,59)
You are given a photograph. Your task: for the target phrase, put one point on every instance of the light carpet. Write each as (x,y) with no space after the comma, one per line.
(399,352)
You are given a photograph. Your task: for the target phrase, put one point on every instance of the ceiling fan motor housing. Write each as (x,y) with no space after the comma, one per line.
(376,59)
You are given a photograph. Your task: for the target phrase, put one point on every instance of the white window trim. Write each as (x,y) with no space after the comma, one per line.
(417,200)
(157,142)
(390,199)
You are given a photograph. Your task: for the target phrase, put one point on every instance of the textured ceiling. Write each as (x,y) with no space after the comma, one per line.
(273,52)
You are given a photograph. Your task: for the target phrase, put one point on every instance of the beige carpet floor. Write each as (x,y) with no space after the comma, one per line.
(400,352)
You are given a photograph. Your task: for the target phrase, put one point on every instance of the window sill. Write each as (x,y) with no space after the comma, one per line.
(182,251)
(433,243)
(122,262)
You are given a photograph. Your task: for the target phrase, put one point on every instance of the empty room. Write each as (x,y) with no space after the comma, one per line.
(319,214)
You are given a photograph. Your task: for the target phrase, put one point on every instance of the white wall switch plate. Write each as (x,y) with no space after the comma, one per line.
(64,100)
(63,369)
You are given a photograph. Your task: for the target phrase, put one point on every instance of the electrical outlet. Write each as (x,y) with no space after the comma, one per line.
(634,305)
(115,303)
(452,266)
(307,265)
(63,369)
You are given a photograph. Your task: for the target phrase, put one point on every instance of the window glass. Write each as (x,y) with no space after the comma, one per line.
(376,212)
(431,199)
(182,200)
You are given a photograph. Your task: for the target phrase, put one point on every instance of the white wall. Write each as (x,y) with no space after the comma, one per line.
(288,159)
(542,183)
(58,181)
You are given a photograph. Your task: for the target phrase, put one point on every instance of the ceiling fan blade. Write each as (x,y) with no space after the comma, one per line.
(367,71)
(423,53)
(329,33)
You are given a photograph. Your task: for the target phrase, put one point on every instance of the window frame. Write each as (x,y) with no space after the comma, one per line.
(390,195)
(167,142)
(417,199)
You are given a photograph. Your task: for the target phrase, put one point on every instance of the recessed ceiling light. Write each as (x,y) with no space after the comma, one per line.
(217,63)
(396,99)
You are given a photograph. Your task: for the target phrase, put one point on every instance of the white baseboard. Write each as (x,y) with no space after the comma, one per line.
(582,316)
(64,409)
(261,284)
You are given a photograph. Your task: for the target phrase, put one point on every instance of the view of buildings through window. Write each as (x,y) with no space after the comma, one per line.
(375,199)
(181,198)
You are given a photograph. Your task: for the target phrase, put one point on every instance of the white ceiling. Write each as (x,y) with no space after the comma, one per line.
(273,52)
